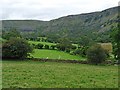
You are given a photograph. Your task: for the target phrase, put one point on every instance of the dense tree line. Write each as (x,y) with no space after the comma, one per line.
(16,48)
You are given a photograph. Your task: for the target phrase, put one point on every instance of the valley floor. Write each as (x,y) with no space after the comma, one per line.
(54,54)
(35,74)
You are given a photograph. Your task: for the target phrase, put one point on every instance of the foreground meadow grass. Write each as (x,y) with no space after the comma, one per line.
(35,74)
(54,54)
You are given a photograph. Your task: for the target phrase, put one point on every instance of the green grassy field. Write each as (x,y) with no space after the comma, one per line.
(35,74)
(54,54)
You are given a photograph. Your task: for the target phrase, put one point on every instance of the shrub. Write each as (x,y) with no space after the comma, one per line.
(77,52)
(68,50)
(81,51)
(46,46)
(39,46)
(53,47)
(84,50)
(61,47)
(107,53)
(64,43)
(33,45)
(73,47)
(16,48)
(96,54)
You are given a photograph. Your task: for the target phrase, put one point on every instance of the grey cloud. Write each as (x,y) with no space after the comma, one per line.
(39,9)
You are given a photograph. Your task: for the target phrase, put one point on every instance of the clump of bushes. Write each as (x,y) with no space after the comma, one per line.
(16,48)
(96,54)
(60,47)
(77,52)
(39,46)
(46,46)
(73,47)
(81,51)
(67,50)
(53,47)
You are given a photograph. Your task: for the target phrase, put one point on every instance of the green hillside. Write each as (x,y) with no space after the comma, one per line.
(95,26)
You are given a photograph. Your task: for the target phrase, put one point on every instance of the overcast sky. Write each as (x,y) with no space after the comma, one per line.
(50,9)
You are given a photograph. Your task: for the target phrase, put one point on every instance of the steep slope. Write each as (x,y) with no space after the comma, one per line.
(94,25)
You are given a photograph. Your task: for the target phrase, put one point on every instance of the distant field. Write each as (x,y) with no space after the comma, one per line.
(33,74)
(54,54)
(44,43)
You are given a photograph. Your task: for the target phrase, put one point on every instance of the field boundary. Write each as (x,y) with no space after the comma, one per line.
(68,61)
(59,60)
(109,62)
